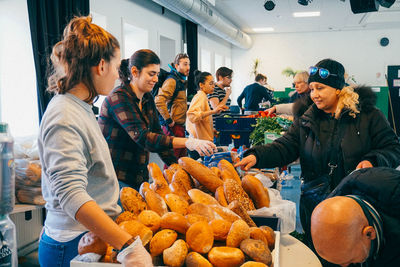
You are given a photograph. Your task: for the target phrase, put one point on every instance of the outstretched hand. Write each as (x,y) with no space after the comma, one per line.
(247,162)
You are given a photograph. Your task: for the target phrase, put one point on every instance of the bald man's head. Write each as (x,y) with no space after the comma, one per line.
(340,231)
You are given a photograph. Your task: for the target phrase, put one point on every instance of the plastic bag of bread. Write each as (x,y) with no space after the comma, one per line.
(27,172)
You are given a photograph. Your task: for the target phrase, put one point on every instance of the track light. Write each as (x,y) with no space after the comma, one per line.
(269,5)
(304,2)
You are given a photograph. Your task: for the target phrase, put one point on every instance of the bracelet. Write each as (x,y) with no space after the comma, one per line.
(127,244)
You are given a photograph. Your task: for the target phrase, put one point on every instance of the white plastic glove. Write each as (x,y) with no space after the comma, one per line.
(203,147)
(135,255)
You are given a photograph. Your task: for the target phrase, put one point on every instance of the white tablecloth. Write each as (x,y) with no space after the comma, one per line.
(295,253)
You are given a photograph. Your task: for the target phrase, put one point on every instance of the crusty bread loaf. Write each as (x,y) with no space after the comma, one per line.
(136,228)
(193,218)
(183,177)
(125,216)
(174,167)
(144,187)
(226,257)
(168,174)
(238,232)
(220,196)
(204,210)
(270,234)
(151,219)
(162,240)
(174,221)
(91,243)
(225,213)
(155,202)
(175,255)
(256,250)
(194,259)
(33,172)
(258,234)
(216,171)
(237,208)
(177,203)
(234,191)
(253,264)
(255,189)
(178,188)
(226,166)
(159,182)
(220,228)
(200,237)
(132,201)
(198,196)
(201,173)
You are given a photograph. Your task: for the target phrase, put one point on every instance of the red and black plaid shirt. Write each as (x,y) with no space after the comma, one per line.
(132,133)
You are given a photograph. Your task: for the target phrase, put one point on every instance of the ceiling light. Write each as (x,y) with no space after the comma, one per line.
(267,29)
(304,2)
(306,14)
(269,5)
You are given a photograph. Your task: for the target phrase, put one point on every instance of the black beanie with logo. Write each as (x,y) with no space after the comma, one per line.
(334,67)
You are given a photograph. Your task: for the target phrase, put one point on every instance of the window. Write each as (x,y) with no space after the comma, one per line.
(18,99)
(167,51)
(134,38)
(205,60)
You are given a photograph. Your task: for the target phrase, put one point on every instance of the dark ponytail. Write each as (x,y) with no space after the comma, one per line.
(139,59)
(200,77)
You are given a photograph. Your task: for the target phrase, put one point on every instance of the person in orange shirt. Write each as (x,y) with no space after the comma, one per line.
(199,115)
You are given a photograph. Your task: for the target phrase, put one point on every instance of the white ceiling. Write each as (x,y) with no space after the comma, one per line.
(336,15)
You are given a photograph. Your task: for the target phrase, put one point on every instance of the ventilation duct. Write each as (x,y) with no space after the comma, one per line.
(205,15)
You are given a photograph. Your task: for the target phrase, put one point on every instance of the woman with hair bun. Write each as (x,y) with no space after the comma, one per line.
(199,121)
(129,122)
(340,132)
(78,179)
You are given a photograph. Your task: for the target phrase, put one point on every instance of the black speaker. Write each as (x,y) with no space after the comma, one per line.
(386,3)
(363,6)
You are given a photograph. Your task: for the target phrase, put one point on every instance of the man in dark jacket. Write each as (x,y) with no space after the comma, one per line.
(360,223)
(254,94)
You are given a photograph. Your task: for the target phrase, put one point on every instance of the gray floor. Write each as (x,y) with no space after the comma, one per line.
(30,260)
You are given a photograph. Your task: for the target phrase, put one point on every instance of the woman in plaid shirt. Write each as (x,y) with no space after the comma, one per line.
(130,124)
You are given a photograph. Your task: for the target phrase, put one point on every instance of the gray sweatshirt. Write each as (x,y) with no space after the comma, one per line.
(76,163)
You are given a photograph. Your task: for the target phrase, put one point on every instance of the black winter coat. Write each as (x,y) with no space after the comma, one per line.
(381,188)
(368,136)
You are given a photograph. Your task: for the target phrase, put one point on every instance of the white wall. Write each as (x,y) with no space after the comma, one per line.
(144,14)
(358,51)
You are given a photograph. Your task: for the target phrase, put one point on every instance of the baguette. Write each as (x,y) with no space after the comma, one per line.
(204,210)
(184,178)
(201,173)
(233,191)
(155,202)
(220,196)
(198,196)
(160,185)
(168,175)
(237,208)
(225,213)
(177,204)
(226,166)
(216,171)
(255,189)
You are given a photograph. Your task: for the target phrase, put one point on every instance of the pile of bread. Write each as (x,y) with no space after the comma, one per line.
(195,216)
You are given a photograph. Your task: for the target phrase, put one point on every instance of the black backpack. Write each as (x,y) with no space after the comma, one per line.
(162,77)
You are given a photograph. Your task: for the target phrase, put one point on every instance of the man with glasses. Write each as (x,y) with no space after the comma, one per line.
(171,100)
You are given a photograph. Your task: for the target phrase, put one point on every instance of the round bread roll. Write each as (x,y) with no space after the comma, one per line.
(270,234)
(177,204)
(253,264)
(132,201)
(256,250)
(201,173)
(226,257)
(91,243)
(151,219)
(255,189)
(258,234)
(174,221)
(238,232)
(228,171)
(125,216)
(193,218)
(162,240)
(136,228)
(204,210)
(198,196)
(220,229)
(194,259)
(200,237)
(175,255)
(220,196)
(155,202)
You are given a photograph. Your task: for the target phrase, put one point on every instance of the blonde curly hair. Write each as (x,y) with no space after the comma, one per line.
(347,99)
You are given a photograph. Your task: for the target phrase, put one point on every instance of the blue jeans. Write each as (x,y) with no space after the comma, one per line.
(57,254)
